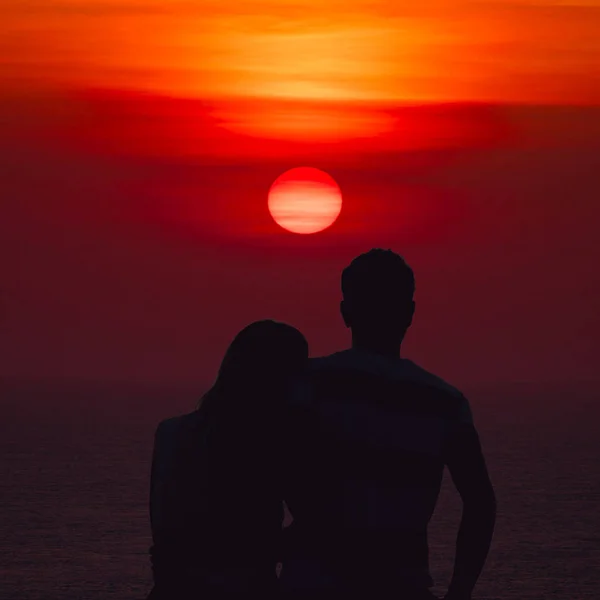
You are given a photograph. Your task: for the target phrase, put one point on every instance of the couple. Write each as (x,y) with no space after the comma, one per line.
(354,443)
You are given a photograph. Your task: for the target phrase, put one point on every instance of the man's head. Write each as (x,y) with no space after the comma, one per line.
(378,289)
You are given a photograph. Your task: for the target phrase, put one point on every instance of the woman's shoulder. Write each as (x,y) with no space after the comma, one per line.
(174,426)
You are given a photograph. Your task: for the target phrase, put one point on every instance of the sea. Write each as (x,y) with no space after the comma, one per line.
(75,465)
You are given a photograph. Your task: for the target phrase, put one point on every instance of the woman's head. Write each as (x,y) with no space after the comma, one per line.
(260,361)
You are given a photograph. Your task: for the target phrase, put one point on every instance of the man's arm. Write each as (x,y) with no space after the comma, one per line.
(467,467)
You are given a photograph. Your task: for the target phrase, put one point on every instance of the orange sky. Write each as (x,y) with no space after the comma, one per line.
(130,183)
(376,51)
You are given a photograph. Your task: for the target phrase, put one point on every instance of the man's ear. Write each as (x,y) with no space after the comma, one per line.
(344,312)
(412,312)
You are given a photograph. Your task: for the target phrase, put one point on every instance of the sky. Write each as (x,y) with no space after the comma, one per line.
(138,142)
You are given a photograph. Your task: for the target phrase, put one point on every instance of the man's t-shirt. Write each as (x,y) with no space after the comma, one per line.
(367,440)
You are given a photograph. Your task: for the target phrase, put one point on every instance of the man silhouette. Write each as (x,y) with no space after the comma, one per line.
(368,437)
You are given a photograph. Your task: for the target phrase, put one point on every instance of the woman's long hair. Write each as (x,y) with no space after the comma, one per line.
(262,354)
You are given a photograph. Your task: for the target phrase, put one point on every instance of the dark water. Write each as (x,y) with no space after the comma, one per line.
(75,467)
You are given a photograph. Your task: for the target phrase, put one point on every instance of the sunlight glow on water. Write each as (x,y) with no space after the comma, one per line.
(75,494)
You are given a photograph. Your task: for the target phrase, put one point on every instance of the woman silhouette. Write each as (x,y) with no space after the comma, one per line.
(215,500)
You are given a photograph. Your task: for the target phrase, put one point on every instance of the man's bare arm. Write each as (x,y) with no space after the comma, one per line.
(467,467)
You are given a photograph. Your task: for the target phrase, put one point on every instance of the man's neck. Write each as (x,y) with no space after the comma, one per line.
(383,348)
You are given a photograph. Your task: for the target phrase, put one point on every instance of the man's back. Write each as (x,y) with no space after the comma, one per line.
(372,434)
(368,437)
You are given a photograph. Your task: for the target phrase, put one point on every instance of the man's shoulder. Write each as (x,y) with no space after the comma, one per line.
(418,374)
(461,407)
(398,369)
(335,360)
(398,375)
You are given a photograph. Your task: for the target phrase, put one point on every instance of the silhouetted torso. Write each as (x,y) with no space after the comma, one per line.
(367,441)
(215,508)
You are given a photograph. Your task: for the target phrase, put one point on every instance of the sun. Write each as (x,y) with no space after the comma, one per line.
(305,200)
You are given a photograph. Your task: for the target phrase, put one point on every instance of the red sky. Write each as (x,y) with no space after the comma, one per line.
(137,146)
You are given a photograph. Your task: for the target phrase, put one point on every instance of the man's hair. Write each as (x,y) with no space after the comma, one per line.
(375,274)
